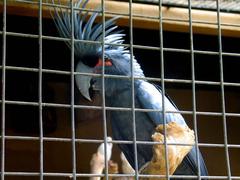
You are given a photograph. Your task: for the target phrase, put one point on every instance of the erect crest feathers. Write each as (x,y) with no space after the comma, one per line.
(85,29)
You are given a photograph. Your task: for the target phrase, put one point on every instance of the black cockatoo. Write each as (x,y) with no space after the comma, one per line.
(118,91)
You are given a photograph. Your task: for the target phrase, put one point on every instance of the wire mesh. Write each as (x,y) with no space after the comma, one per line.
(72,106)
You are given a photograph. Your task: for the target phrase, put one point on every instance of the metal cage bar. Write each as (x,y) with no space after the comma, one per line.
(163,87)
(194,108)
(193,88)
(94,141)
(74,168)
(105,132)
(40,91)
(4,30)
(133,91)
(72,106)
(119,108)
(223,91)
(45,37)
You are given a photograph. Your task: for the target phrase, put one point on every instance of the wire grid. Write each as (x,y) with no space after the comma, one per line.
(72,106)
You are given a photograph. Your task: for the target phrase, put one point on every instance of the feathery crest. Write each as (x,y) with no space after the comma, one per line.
(85,29)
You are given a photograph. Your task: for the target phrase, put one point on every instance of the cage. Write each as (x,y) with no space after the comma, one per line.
(50,131)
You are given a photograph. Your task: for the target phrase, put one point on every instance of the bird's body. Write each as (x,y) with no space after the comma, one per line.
(147,96)
(122,127)
(118,91)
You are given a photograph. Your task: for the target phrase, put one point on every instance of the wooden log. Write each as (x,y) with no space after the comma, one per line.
(145,16)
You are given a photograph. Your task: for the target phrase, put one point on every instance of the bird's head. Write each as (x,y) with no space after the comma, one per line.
(114,62)
(91,55)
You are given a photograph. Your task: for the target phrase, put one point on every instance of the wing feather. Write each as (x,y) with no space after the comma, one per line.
(150,97)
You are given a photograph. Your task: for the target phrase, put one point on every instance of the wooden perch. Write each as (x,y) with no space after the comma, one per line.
(145,16)
(175,134)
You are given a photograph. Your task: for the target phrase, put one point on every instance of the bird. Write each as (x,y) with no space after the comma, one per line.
(114,59)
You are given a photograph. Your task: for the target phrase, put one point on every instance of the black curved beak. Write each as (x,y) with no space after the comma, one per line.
(84,81)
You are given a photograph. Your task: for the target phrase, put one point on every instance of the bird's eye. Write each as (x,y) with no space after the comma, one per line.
(90,60)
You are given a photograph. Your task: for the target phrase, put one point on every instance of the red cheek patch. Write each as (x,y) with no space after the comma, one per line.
(107,62)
